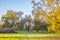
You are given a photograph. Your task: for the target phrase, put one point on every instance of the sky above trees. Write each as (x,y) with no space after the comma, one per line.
(15,5)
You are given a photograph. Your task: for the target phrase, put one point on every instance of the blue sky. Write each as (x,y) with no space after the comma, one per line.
(16,5)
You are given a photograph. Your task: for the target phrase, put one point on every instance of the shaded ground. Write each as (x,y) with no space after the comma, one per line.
(33,32)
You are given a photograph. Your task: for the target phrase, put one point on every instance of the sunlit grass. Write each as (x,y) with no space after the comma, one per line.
(31,35)
(28,37)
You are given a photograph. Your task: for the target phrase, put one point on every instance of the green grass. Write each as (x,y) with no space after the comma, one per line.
(33,32)
(31,35)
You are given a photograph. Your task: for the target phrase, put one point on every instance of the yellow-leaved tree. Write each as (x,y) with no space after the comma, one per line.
(50,1)
(52,15)
(9,19)
(54,20)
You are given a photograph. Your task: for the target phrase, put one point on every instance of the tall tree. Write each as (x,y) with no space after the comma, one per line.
(50,9)
(9,18)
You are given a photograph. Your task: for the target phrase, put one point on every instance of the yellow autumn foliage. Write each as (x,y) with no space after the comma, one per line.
(51,27)
(50,1)
(54,19)
(10,14)
(37,14)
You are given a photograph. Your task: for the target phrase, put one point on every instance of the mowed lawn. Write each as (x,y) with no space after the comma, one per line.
(29,37)
(25,35)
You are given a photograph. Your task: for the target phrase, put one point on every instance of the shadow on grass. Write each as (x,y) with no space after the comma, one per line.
(33,32)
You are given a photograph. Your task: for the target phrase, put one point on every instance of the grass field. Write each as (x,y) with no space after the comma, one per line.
(31,35)
(33,32)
